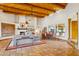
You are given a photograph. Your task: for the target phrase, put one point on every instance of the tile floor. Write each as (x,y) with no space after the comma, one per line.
(50,48)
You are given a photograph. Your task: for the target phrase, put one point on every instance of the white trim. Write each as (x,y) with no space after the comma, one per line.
(78,32)
(1,38)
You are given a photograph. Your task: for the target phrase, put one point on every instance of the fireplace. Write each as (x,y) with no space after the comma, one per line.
(22,33)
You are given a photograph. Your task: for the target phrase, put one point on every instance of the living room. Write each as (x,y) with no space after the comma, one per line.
(37,26)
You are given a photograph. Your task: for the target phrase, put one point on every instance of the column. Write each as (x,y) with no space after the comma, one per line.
(78,30)
(35,26)
(1,12)
(0,29)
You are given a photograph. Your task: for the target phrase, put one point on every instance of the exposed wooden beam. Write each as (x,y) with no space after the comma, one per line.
(23,14)
(35,9)
(18,12)
(11,12)
(11,9)
(24,10)
(32,9)
(63,4)
(59,4)
(29,4)
(38,16)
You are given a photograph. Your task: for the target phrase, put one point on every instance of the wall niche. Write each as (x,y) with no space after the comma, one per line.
(7,29)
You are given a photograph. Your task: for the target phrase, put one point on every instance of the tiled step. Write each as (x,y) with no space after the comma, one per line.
(73,44)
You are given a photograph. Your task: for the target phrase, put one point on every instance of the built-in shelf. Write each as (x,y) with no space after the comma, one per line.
(22,28)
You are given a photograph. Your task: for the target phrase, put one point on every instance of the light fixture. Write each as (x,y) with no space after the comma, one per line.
(37,31)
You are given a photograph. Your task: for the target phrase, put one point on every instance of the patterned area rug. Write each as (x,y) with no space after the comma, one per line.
(25,45)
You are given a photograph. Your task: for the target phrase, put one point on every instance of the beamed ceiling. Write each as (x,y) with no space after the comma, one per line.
(32,9)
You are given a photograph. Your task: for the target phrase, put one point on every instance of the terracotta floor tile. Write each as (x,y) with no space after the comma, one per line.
(51,48)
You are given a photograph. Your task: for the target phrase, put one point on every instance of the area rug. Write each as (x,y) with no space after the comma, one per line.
(25,45)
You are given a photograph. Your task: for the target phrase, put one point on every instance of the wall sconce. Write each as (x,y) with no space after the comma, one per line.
(36,31)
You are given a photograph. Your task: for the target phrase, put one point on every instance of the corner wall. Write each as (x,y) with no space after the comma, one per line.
(61,17)
(6,18)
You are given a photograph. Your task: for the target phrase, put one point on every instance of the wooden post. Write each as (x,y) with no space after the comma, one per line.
(69,28)
(78,31)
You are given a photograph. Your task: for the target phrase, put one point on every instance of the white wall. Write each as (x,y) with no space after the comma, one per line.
(6,18)
(32,21)
(62,17)
(11,19)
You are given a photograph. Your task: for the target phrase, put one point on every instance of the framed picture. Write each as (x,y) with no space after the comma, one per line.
(60,29)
